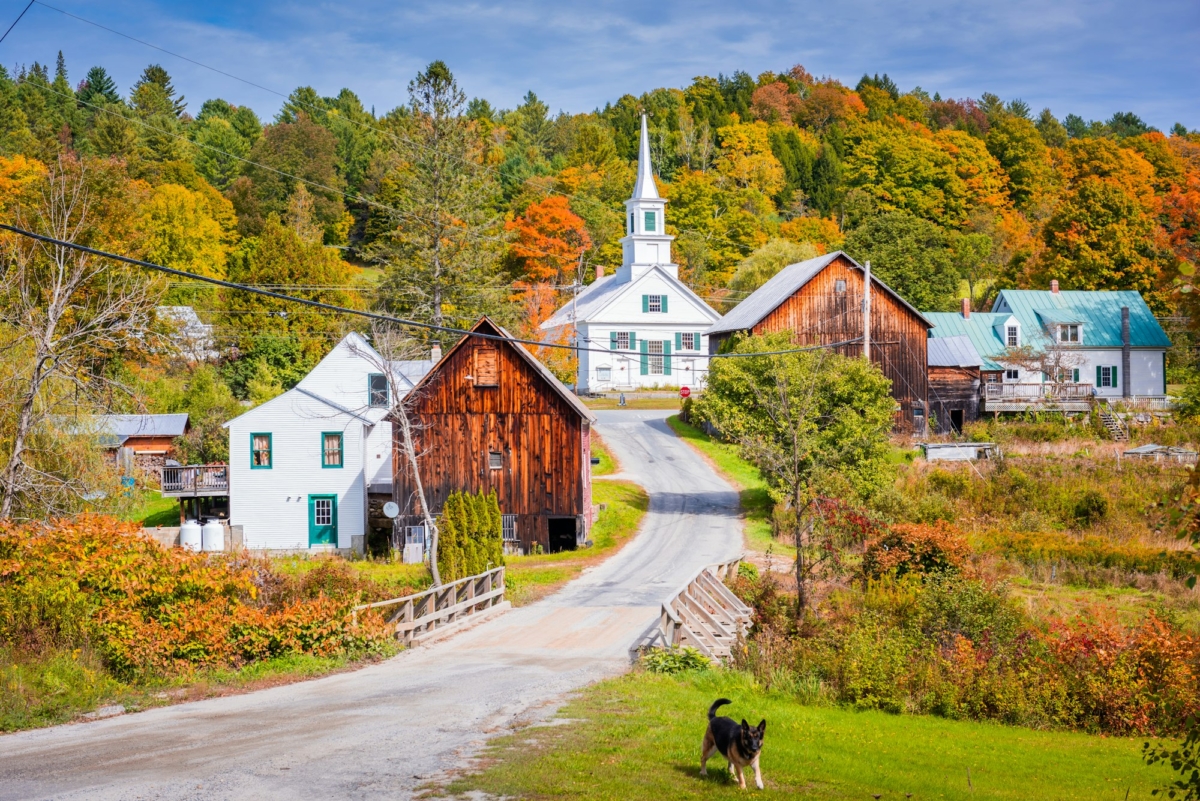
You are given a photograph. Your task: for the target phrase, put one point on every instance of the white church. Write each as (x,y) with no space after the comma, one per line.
(640,328)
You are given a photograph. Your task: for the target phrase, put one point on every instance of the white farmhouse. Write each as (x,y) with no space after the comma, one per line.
(640,327)
(301,465)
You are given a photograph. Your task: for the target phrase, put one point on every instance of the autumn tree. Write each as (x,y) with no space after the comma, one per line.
(436,231)
(910,255)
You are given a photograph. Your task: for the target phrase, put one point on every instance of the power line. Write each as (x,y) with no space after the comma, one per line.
(360,312)
(15,21)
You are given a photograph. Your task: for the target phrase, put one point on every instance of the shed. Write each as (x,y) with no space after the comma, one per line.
(954,381)
(489,416)
(959,451)
(1162,453)
(821,302)
(144,441)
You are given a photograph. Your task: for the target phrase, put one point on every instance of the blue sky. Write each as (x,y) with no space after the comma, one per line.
(1088,57)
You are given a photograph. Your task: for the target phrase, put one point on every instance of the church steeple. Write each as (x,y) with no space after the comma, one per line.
(646,244)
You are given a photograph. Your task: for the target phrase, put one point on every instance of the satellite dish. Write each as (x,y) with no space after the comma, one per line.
(391,510)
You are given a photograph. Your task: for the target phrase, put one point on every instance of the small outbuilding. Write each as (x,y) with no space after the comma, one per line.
(491,417)
(140,442)
(954,381)
(1162,453)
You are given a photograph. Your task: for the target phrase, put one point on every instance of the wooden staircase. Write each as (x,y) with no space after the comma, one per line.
(1113,424)
(703,615)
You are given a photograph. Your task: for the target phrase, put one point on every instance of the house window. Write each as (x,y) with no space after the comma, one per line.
(603,373)
(1068,333)
(1012,375)
(508,527)
(649,221)
(993,378)
(689,340)
(1011,336)
(495,460)
(839,285)
(323,511)
(1106,376)
(260,452)
(655,361)
(487,367)
(331,449)
(622,340)
(655,303)
(377,390)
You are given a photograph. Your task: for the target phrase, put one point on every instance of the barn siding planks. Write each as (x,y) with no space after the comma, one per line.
(543,440)
(818,314)
(952,388)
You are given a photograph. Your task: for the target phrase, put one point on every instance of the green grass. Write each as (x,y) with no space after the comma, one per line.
(608,465)
(529,578)
(746,479)
(638,737)
(390,574)
(632,403)
(151,509)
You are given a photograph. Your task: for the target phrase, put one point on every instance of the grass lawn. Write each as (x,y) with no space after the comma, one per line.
(638,737)
(633,403)
(746,479)
(404,578)
(151,509)
(529,578)
(608,464)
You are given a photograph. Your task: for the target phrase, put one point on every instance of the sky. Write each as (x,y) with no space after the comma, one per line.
(1087,57)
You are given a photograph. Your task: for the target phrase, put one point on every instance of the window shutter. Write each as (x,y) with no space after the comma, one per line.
(1075,375)
(666,355)
(632,340)
(664,304)
(1115,381)
(1098,376)
(678,340)
(645,357)
(645,304)
(612,340)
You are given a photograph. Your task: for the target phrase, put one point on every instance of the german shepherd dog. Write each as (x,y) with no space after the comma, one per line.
(740,745)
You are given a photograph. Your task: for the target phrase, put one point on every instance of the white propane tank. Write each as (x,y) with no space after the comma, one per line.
(213,536)
(189,535)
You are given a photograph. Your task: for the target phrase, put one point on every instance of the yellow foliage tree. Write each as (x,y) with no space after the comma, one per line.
(179,230)
(747,160)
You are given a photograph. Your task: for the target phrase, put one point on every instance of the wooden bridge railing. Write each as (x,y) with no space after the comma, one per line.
(414,616)
(704,614)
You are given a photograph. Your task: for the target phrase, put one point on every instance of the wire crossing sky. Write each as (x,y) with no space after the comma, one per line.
(1087,57)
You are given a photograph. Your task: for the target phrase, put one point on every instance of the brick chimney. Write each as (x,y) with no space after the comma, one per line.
(599,271)
(966,306)
(1054,286)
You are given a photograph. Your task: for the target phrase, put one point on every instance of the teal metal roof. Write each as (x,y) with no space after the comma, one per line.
(981,328)
(1098,312)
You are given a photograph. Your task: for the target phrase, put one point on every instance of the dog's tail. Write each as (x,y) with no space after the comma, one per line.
(720,702)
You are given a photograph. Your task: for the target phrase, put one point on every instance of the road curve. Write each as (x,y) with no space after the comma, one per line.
(387,729)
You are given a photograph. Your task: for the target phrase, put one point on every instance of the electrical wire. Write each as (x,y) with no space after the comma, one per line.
(360,312)
(18,19)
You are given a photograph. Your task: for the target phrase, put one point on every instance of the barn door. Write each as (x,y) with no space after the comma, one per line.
(322,520)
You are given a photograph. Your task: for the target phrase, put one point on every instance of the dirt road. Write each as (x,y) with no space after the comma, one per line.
(383,731)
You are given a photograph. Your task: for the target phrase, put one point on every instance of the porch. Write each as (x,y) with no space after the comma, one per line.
(191,481)
(1032,397)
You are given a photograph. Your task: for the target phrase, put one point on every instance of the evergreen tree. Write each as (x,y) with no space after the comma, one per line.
(98,88)
(157,76)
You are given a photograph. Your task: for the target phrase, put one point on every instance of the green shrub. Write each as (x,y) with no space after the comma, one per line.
(1090,508)
(674,660)
(470,536)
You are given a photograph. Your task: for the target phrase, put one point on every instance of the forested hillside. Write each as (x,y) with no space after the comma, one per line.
(443,208)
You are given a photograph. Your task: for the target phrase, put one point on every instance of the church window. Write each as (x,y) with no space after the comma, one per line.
(650,221)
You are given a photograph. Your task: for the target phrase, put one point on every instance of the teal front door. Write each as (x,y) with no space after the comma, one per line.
(322,520)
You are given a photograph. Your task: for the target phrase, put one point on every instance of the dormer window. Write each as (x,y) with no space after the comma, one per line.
(650,228)
(1068,334)
(1011,336)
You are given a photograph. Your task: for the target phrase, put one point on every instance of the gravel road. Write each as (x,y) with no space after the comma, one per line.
(385,730)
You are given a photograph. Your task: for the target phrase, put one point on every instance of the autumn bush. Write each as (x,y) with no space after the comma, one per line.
(149,612)
(915,548)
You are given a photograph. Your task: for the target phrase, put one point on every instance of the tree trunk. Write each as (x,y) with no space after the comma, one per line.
(410,455)
(801,579)
(16,460)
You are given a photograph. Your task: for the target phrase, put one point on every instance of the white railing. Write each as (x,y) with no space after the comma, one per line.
(1037,391)
(416,616)
(196,480)
(704,614)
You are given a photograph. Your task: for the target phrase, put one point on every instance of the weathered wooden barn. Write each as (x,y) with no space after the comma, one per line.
(490,416)
(821,302)
(955,379)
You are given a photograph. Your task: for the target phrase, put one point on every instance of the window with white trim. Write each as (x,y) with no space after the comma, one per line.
(622,340)
(495,460)
(603,373)
(1012,375)
(689,340)
(650,221)
(654,348)
(1108,376)
(1069,334)
(655,303)
(1011,337)
(508,527)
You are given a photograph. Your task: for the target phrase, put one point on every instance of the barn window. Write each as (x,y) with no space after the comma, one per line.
(487,367)
(414,535)
(377,390)
(508,527)
(260,452)
(331,449)
(839,285)
(495,460)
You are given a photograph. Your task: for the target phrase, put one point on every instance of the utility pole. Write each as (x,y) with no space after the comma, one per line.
(866,307)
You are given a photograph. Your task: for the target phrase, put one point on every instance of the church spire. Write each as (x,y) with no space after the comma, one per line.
(645,188)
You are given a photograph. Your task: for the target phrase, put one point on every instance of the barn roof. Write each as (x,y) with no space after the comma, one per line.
(556,385)
(785,283)
(953,352)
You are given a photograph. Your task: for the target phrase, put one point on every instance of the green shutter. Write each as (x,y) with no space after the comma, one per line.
(678,340)
(664,304)
(645,304)
(632,340)
(1075,376)
(645,357)
(1098,375)
(666,357)
(612,340)
(1116,382)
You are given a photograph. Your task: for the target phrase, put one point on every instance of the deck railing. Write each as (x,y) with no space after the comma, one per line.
(415,616)
(205,479)
(704,614)
(1034,392)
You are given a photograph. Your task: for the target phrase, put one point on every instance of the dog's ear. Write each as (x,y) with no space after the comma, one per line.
(762,726)
(745,725)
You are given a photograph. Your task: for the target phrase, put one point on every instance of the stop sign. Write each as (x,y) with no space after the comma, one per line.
(684,392)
